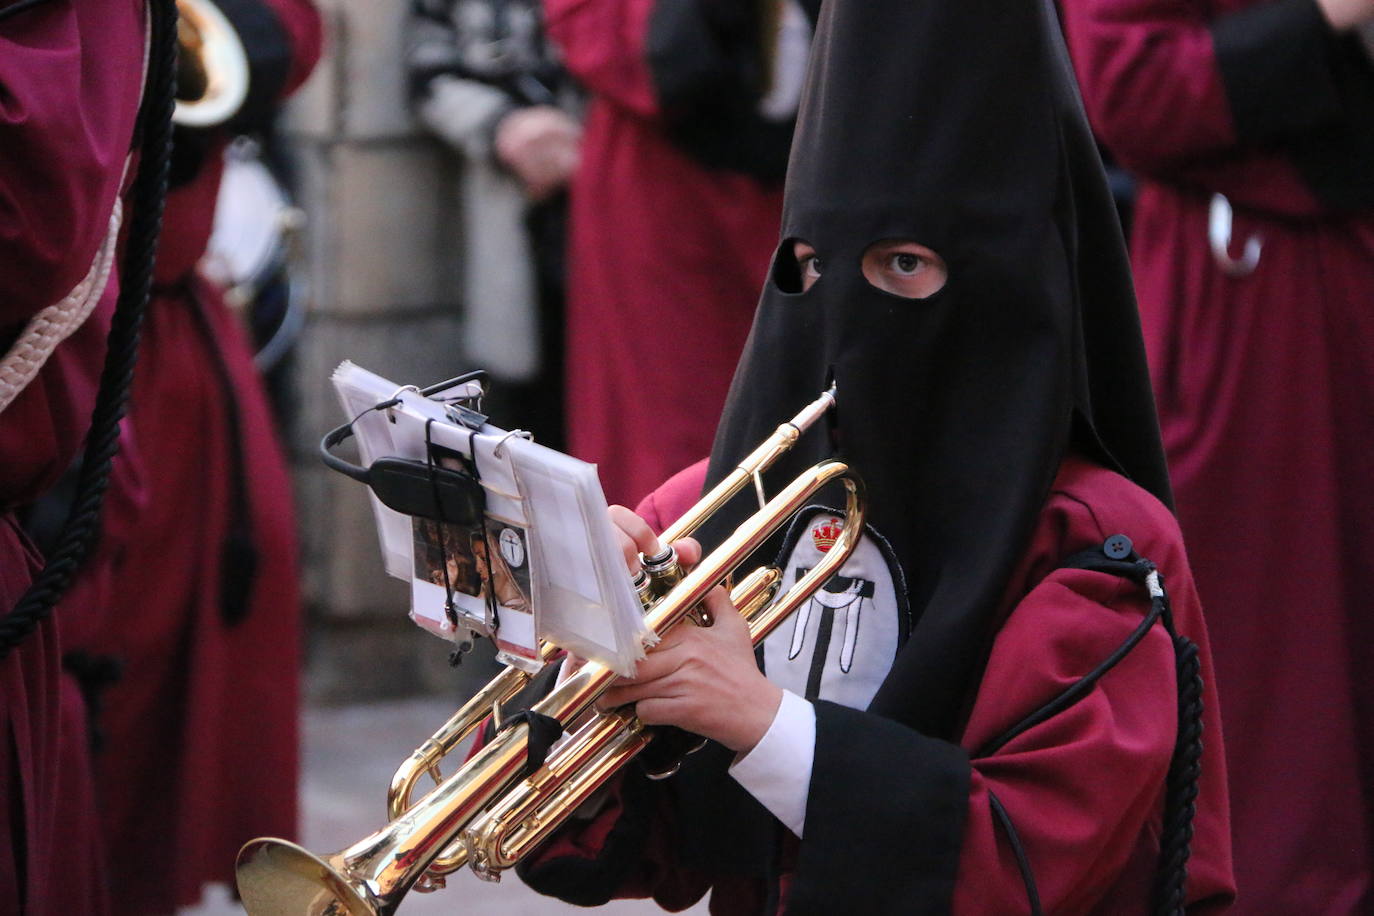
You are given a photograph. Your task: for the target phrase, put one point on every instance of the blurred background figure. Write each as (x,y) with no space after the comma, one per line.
(193,658)
(1251,125)
(675,214)
(485,80)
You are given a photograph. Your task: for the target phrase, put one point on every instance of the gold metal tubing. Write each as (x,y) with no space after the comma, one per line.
(783,438)
(767,619)
(581,767)
(371,877)
(756,591)
(600,739)
(539,804)
(427,757)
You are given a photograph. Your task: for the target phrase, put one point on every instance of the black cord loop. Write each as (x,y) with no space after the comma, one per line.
(1116,557)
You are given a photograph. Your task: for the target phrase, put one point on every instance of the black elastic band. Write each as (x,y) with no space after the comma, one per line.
(493,606)
(544,731)
(449,611)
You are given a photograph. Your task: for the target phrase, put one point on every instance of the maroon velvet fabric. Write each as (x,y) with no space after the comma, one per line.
(70,81)
(1085,788)
(1265,387)
(665,261)
(201,731)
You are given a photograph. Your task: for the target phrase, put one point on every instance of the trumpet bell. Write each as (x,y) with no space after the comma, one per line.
(212,66)
(277,876)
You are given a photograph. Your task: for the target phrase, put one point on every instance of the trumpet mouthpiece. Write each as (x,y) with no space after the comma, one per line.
(814,411)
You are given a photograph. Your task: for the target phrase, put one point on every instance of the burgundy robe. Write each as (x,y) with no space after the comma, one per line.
(200,750)
(1084,788)
(664,264)
(71,78)
(1265,387)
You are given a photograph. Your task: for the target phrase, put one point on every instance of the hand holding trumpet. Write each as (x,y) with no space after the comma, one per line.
(701,679)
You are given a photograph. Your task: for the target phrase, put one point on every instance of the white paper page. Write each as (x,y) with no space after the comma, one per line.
(587,603)
(359,390)
(543,507)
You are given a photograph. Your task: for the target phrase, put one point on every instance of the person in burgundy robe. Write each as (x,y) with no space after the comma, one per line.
(980,715)
(1253,123)
(674,211)
(197,570)
(71,77)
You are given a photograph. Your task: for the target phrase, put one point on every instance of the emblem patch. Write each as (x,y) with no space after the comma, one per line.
(827,532)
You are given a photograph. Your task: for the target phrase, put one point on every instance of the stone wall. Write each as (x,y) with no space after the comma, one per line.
(380,256)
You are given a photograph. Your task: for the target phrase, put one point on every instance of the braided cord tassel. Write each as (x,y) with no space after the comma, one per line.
(1181,785)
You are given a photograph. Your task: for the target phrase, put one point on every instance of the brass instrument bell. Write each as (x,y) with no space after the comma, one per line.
(212,66)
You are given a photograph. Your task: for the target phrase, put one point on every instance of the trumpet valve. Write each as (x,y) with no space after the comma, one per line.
(644,588)
(662,570)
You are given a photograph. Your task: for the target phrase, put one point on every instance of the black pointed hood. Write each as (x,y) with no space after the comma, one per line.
(957,125)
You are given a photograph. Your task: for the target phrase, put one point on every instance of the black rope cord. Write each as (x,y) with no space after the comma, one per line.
(18,7)
(1185,766)
(136,274)
(1180,796)
(1022,860)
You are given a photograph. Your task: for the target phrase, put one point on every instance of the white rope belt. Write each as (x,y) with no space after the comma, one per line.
(59,321)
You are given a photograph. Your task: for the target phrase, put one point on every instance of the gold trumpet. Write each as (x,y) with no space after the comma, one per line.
(489,814)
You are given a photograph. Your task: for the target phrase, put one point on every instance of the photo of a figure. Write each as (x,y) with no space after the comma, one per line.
(446,552)
(447,549)
(507,560)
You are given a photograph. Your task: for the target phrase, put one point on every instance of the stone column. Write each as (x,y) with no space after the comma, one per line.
(381,257)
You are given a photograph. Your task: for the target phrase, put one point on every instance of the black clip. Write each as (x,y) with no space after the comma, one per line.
(417,488)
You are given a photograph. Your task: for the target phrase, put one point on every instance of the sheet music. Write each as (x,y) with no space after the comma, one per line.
(544,566)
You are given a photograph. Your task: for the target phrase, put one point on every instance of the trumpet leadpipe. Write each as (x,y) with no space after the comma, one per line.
(745,473)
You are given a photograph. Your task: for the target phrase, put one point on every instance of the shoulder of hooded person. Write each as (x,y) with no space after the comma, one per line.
(673,497)
(1086,505)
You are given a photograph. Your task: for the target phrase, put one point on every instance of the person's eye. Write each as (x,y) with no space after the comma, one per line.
(810,266)
(905,263)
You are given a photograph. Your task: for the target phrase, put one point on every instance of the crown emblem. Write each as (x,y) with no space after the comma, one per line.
(827,533)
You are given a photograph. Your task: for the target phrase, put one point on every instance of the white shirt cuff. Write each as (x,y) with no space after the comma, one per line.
(777,771)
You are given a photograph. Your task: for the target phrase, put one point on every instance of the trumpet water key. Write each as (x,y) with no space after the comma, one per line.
(504,800)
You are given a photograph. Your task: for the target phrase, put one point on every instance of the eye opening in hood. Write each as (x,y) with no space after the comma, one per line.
(904,268)
(789,273)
